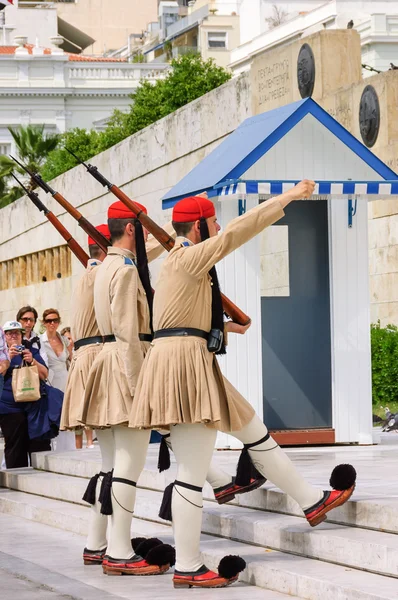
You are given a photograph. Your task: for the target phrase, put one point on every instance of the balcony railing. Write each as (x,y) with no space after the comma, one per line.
(181,50)
(187,22)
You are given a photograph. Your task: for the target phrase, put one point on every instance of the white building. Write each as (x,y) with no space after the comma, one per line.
(375,21)
(42,84)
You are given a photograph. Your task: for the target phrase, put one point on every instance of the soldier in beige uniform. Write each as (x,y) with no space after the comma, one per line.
(181,385)
(87,346)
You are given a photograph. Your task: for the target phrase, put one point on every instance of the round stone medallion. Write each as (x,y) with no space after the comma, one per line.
(369,116)
(306,71)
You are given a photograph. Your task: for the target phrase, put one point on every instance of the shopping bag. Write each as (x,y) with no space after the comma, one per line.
(26,384)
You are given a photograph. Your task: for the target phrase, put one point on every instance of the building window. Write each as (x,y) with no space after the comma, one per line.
(5,149)
(217,39)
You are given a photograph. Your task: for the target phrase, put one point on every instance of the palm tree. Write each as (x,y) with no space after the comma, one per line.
(32,148)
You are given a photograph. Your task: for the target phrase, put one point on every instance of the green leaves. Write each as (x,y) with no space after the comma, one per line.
(189,78)
(33,146)
(384,342)
(81,142)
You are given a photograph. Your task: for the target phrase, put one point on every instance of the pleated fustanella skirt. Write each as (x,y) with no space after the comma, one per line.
(181,382)
(107,399)
(72,409)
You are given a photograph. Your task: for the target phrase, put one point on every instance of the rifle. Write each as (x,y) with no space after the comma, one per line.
(72,243)
(230,309)
(87,227)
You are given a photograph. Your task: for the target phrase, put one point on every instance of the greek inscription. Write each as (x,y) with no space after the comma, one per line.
(342,114)
(273,81)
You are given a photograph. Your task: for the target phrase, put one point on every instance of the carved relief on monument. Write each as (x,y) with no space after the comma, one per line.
(369,116)
(306,71)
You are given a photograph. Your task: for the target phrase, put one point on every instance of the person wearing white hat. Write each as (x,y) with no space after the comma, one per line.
(13,419)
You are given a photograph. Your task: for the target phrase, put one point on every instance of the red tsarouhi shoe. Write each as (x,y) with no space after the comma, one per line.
(228,492)
(343,481)
(156,562)
(228,573)
(93,557)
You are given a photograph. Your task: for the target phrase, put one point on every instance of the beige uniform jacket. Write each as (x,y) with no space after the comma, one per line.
(121,309)
(180,381)
(83,325)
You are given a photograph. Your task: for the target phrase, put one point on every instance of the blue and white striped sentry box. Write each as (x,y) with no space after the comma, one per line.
(322,188)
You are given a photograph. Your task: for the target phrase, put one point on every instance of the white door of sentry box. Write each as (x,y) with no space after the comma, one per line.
(350,322)
(239,280)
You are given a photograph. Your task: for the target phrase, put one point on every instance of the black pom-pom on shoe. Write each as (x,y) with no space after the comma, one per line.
(343,477)
(230,566)
(161,555)
(135,542)
(146,546)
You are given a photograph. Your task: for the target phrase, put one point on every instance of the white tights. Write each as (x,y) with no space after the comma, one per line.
(96,539)
(193,448)
(124,450)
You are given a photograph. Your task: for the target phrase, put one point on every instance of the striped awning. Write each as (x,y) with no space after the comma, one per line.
(322,188)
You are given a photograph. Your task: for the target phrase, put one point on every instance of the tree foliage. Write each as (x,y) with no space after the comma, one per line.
(384,342)
(33,147)
(189,78)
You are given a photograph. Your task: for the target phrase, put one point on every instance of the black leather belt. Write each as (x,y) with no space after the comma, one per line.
(103,339)
(181,332)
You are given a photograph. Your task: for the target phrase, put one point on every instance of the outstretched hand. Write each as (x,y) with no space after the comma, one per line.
(304,189)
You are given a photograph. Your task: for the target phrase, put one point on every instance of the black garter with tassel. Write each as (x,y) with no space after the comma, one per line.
(105,495)
(89,495)
(246,471)
(164,455)
(165,508)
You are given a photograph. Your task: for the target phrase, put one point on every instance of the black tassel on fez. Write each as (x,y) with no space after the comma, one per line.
(246,470)
(165,509)
(105,496)
(164,455)
(91,490)
(230,566)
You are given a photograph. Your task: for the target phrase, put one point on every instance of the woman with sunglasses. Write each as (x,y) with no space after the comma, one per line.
(27,316)
(58,350)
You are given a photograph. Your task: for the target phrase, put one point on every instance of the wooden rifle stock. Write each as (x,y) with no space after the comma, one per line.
(69,239)
(87,227)
(72,243)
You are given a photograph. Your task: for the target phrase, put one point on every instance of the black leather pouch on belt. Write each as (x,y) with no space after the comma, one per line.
(215,339)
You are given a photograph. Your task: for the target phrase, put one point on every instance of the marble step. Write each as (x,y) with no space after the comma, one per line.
(372,551)
(52,564)
(289,575)
(363,510)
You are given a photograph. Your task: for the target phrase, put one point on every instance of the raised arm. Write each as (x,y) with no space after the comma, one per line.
(200,258)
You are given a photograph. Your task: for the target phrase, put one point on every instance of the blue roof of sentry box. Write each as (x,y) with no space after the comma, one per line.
(253,138)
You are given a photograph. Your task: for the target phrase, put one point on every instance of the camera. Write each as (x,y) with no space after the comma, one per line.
(20,349)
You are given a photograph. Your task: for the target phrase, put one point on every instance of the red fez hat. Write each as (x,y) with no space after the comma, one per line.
(118,210)
(104,229)
(193,208)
